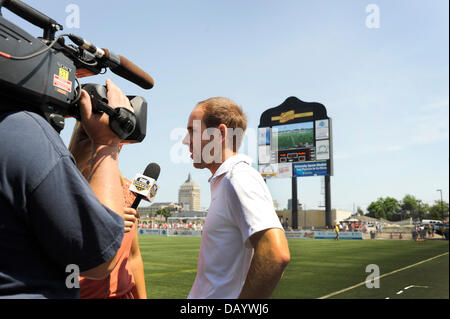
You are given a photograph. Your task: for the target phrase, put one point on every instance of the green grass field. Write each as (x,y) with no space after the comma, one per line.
(294,140)
(318,268)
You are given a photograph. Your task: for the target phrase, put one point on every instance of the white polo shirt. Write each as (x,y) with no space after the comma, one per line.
(241,205)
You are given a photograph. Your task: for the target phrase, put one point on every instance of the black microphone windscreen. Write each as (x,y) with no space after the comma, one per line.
(152,170)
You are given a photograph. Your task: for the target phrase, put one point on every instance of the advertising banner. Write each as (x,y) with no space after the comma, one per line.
(300,234)
(143,231)
(310,169)
(183,232)
(332,235)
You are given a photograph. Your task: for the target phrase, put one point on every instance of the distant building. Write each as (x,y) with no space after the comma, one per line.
(275,204)
(189,195)
(199,214)
(154,207)
(313,217)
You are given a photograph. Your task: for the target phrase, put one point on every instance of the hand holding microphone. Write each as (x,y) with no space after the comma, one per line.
(145,186)
(130,216)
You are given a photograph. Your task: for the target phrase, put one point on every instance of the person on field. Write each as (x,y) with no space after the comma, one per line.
(244,250)
(127,280)
(52,219)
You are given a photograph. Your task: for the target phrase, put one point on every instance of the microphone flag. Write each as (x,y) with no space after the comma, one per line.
(145,186)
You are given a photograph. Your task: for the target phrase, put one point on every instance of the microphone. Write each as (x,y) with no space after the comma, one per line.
(145,186)
(118,64)
(123,67)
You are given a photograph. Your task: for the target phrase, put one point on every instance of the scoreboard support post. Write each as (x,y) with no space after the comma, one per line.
(328,220)
(294,204)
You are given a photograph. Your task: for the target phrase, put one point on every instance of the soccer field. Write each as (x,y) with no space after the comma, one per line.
(289,141)
(318,268)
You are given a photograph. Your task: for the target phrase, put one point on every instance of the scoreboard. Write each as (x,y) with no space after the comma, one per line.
(292,135)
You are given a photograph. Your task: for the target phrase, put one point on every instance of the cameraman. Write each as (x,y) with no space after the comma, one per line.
(50,216)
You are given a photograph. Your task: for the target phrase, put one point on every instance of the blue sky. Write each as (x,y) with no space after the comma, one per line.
(385,88)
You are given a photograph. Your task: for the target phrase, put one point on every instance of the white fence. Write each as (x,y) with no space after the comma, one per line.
(304,234)
(170,232)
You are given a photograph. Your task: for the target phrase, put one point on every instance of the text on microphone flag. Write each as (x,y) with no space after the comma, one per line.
(144,185)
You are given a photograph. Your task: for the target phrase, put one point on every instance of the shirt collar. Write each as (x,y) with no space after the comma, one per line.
(229,164)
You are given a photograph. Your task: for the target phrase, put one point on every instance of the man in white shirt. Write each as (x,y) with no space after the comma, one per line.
(244,250)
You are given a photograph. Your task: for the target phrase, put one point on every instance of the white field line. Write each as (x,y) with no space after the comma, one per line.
(379,277)
(406,288)
(412,286)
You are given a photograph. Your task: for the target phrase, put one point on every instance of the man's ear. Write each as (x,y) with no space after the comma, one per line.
(223,132)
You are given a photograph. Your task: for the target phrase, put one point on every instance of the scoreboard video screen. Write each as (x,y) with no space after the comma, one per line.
(293,142)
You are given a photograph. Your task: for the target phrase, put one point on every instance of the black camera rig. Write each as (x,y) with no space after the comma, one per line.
(39,74)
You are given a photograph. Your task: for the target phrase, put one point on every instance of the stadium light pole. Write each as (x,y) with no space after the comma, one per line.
(442,204)
(419,214)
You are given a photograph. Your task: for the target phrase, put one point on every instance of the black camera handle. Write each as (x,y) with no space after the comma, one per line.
(121,120)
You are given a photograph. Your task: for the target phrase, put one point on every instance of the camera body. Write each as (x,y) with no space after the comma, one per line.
(45,83)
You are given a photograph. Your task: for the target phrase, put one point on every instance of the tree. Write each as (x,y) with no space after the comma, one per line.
(410,207)
(164,212)
(422,209)
(386,208)
(392,208)
(359,211)
(435,211)
(376,210)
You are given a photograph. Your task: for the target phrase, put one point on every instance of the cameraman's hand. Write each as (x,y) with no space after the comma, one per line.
(97,125)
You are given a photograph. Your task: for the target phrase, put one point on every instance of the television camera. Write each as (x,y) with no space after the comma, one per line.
(41,74)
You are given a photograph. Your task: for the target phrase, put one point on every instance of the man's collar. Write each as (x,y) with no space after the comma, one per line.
(229,164)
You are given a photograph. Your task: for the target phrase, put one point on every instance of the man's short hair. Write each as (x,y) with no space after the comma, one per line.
(221,110)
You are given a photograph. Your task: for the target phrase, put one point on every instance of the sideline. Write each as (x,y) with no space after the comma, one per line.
(379,277)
